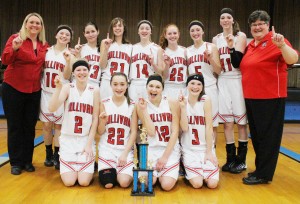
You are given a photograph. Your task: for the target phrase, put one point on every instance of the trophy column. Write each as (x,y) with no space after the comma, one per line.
(142,186)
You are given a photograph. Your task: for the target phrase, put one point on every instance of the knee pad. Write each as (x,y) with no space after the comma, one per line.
(107,176)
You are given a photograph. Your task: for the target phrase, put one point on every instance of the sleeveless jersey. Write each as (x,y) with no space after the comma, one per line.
(141,68)
(53,63)
(117,128)
(228,71)
(162,118)
(178,66)
(194,138)
(198,64)
(78,112)
(118,60)
(93,57)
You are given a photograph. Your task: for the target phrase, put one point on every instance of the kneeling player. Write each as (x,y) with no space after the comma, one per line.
(77,148)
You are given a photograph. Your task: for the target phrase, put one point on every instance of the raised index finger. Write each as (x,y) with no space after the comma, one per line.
(107,37)
(78,41)
(273,30)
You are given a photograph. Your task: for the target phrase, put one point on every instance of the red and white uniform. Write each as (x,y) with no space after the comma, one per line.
(231,99)
(78,117)
(118,60)
(177,72)
(93,57)
(114,140)
(197,63)
(141,69)
(54,62)
(194,145)
(162,119)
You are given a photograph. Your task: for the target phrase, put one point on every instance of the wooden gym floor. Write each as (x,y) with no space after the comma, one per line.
(44,185)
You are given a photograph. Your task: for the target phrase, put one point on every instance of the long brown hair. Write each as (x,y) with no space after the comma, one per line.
(111,32)
(97,29)
(124,75)
(235,28)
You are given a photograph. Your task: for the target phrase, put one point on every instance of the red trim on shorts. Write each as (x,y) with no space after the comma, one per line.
(87,164)
(241,118)
(66,164)
(193,170)
(107,162)
(170,168)
(124,167)
(213,172)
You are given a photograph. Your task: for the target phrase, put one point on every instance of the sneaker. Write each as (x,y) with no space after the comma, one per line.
(56,161)
(49,158)
(238,168)
(226,167)
(29,167)
(48,161)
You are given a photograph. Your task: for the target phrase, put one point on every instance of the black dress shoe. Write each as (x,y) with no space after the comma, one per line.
(16,170)
(29,168)
(252,173)
(253,180)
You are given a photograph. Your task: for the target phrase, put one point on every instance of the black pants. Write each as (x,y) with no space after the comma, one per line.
(21,111)
(266,119)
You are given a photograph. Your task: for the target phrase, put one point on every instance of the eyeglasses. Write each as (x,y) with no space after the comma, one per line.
(259,24)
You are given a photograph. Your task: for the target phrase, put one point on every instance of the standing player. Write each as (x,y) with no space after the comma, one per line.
(231,44)
(203,58)
(118,129)
(115,54)
(57,59)
(146,59)
(77,148)
(175,69)
(91,52)
(160,116)
(199,158)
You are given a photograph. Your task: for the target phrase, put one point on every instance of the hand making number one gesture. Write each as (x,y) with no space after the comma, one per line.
(277,38)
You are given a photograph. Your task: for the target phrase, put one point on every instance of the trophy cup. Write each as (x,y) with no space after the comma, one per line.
(139,184)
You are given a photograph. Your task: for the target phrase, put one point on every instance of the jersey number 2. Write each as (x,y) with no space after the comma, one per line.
(78,124)
(163,133)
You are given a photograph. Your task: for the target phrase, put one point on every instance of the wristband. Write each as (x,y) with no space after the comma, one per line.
(231,50)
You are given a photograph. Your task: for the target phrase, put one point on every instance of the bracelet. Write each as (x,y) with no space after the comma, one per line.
(231,50)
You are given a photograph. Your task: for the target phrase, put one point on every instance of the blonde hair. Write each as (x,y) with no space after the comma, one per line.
(24,33)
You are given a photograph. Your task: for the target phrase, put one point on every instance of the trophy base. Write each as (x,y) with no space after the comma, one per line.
(138,193)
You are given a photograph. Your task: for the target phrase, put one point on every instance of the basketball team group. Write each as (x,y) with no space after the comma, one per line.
(178,94)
